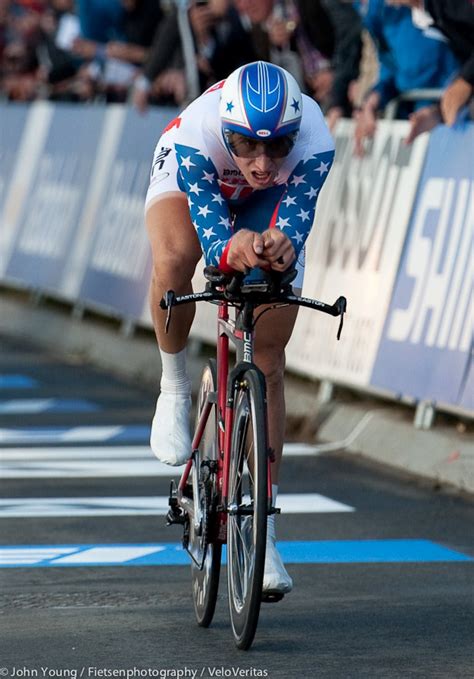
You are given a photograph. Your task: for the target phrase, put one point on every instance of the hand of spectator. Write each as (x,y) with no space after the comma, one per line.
(280,31)
(140,99)
(366,123)
(322,83)
(454,97)
(278,249)
(87,49)
(423,120)
(247,251)
(332,116)
(201,18)
(171,83)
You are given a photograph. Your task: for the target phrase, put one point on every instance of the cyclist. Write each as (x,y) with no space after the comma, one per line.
(234,177)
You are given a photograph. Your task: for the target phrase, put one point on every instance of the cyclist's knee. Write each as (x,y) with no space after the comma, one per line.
(272,363)
(171,263)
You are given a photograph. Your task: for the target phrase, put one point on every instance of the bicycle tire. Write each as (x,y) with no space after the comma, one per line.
(205,581)
(246,533)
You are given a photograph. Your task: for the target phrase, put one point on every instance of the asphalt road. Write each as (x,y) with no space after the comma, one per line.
(383,567)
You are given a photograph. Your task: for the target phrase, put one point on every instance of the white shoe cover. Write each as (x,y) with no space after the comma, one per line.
(275,578)
(170,439)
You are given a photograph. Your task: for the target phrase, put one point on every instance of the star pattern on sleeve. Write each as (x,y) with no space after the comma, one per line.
(208,209)
(295,214)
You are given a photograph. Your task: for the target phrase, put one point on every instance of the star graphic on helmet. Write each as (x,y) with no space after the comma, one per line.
(295,105)
(230,106)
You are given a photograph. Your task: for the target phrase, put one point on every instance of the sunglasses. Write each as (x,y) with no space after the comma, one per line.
(247,147)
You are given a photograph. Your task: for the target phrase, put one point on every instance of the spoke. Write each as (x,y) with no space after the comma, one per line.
(242,539)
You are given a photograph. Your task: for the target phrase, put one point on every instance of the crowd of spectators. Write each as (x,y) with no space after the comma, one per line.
(155,52)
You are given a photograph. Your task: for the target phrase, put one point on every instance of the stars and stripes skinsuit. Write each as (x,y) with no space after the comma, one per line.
(192,157)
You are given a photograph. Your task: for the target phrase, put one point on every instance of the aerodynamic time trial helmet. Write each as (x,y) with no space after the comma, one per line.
(260,102)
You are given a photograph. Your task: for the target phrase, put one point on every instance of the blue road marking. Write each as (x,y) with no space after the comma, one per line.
(172,554)
(17,382)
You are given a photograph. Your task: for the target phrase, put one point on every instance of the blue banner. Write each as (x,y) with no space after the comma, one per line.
(60,186)
(426,342)
(467,388)
(119,266)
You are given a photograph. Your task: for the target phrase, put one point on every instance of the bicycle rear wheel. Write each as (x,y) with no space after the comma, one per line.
(247,503)
(205,570)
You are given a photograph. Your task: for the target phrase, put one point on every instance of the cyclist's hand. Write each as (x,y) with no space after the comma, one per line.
(246,251)
(278,249)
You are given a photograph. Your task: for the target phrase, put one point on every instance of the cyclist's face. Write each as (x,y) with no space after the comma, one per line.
(258,163)
(259,172)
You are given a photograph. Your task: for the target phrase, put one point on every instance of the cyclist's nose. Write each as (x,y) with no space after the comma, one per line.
(263,162)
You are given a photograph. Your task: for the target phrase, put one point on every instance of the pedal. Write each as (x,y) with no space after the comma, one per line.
(175,514)
(272,597)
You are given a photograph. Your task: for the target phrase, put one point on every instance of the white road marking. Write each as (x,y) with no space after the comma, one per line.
(25,406)
(73,434)
(108,555)
(298,503)
(33,406)
(88,469)
(67,453)
(96,461)
(30,555)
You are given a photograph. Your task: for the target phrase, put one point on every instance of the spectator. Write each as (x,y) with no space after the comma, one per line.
(315,39)
(347,54)
(295,34)
(115,63)
(222,41)
(19,67)
(408,58)
(219,43)
(455,19)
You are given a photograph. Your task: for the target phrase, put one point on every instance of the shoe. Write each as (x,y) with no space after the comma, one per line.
(170,439)
(276,580)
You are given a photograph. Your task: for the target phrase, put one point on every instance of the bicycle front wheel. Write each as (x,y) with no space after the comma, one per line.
(247,506)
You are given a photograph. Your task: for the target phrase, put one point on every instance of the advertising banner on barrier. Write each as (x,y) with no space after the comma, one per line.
(56,195)
(22,138)
(117,273)
(425,349)
(467,398)
(354,250)
(13,120)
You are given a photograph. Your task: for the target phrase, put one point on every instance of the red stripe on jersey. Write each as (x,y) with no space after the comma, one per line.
(176,122)
(274,215)
(214,88)
(235,191)
(223,265)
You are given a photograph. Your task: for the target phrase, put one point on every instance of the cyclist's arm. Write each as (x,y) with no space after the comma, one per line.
(294,214)
(209,211)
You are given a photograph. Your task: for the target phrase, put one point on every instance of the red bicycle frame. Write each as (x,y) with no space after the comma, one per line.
(241,333)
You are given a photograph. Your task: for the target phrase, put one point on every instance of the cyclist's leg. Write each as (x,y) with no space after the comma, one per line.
(274,330)
(176,251)
(273,333)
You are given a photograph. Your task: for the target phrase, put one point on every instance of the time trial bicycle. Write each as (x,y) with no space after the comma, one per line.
(224,495)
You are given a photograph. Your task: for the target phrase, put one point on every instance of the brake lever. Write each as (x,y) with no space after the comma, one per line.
(168,302)
(341,304)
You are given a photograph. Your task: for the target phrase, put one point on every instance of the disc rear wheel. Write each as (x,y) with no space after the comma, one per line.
(204,548)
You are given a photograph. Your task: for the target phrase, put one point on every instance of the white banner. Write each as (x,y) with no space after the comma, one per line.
(354,250)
